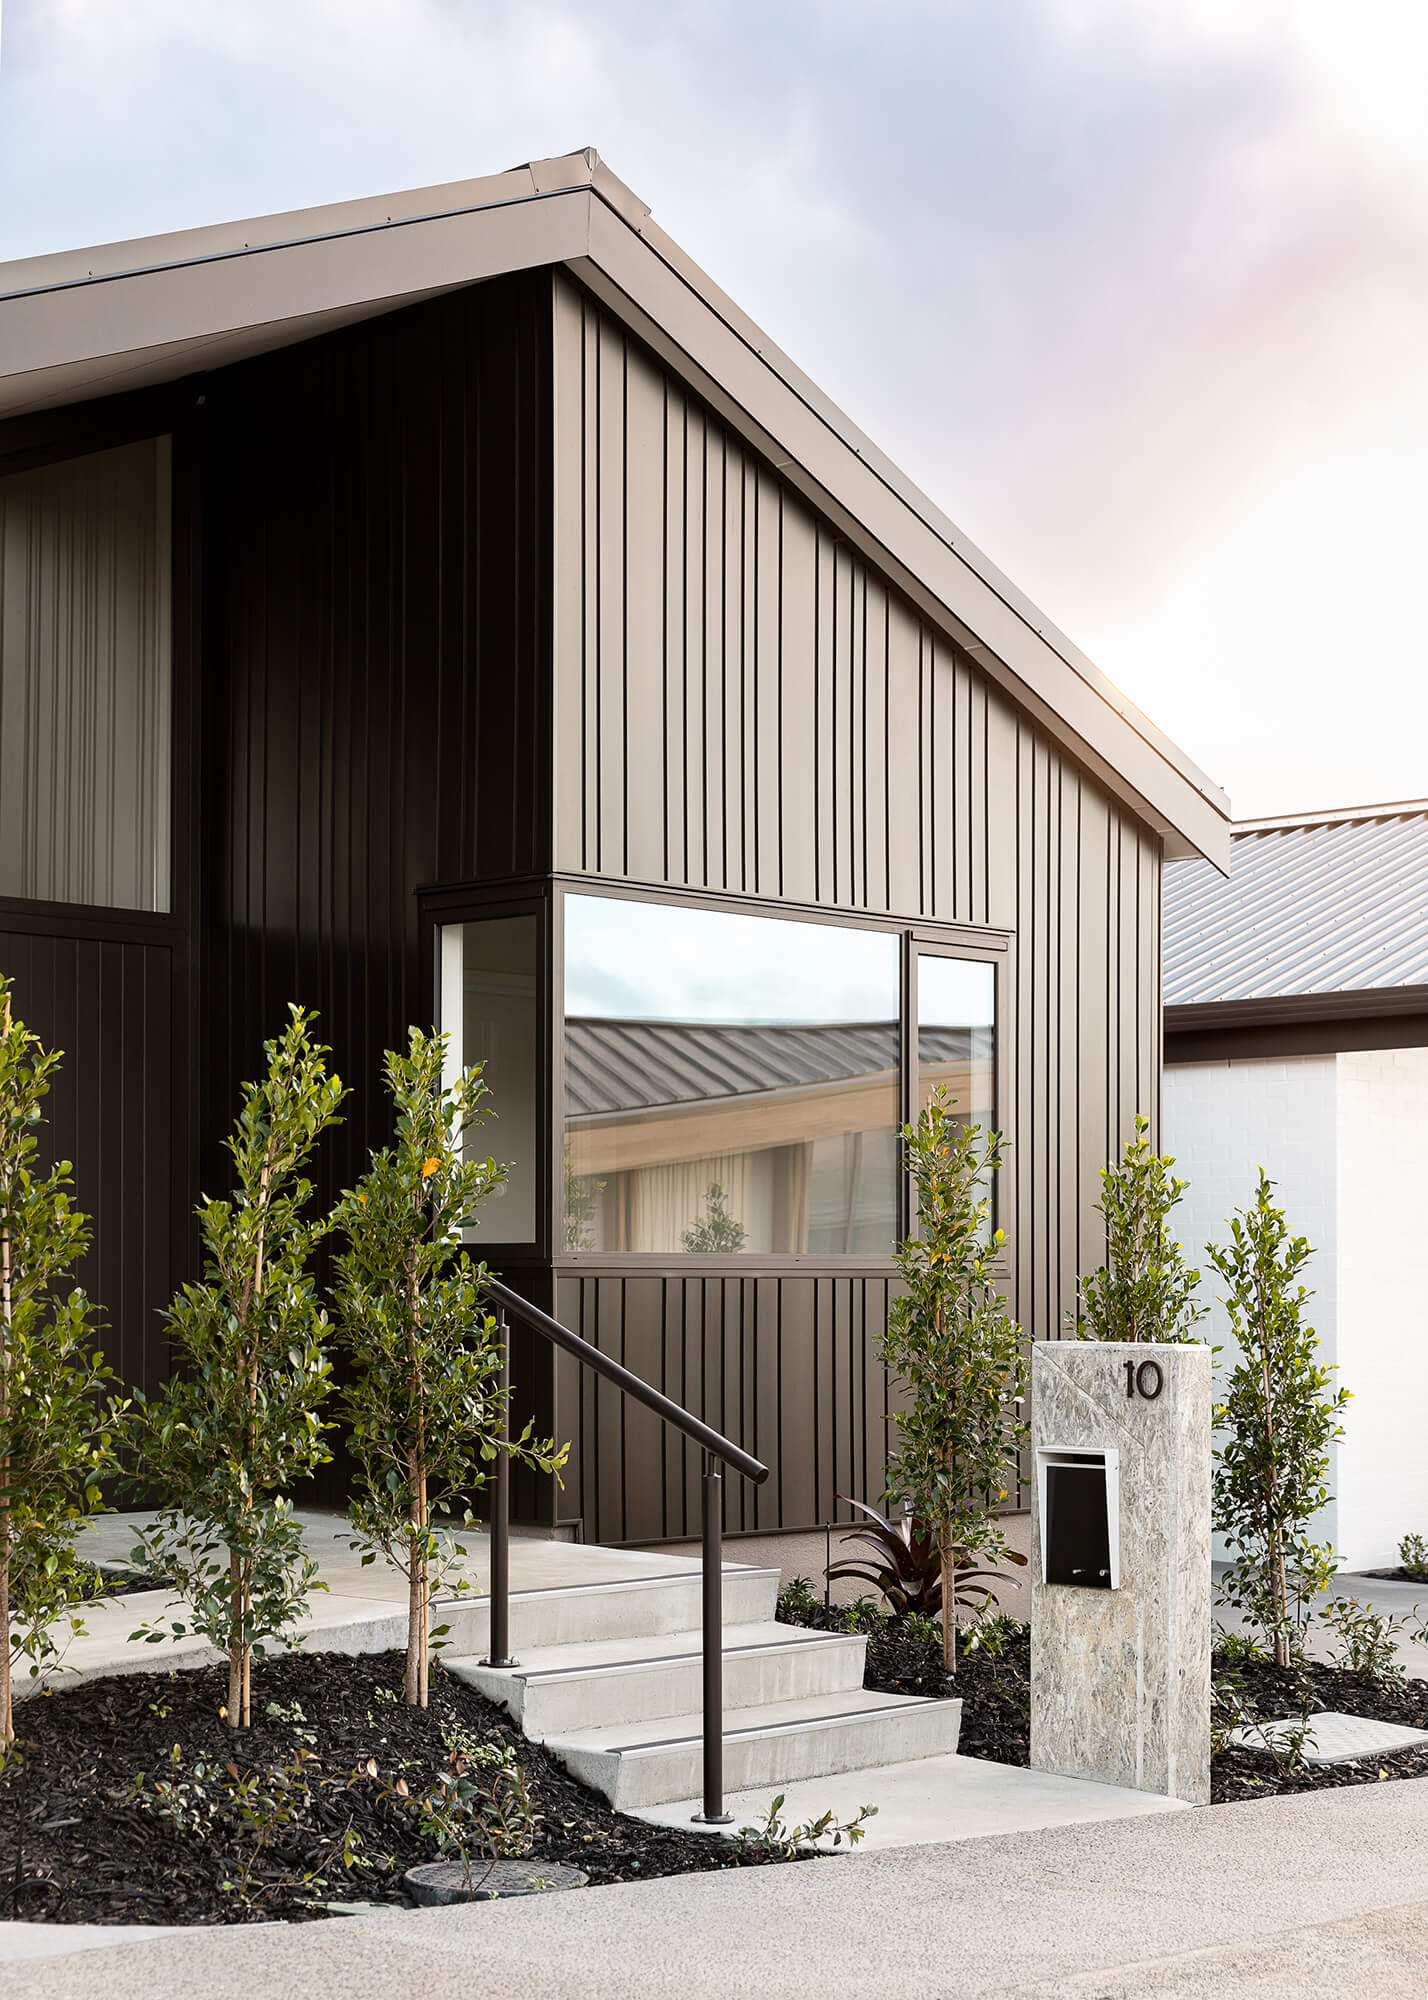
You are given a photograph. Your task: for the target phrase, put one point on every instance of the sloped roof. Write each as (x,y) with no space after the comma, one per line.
(1333,904)
(95,322)
(620,1066)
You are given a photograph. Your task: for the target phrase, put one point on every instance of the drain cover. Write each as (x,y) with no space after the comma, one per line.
(1334,1738)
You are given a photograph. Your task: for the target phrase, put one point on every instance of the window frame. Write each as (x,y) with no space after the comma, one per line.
(948,940)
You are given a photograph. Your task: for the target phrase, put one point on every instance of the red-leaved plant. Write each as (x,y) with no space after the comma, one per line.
(908,1567)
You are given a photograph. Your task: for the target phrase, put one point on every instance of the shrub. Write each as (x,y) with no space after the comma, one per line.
(1277,1418)
(239,1422)
(796,1603)
(423,1405)
(1144,1291)
(58,1420)
(1368,1640)
(955,1352)
(1413,1556)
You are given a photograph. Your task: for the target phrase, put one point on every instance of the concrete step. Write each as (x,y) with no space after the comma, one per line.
(558,1689)
(774,1743)
(577,1614)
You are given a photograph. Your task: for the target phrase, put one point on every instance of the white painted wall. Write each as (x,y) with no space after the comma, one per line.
(1383,1301)
(1221,1120)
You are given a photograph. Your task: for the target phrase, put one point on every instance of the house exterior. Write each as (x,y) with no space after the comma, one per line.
(1296,1035)
(450,607)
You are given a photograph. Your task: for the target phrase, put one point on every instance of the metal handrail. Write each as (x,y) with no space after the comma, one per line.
(717,1450)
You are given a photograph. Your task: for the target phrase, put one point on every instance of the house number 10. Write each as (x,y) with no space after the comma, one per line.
(1144,1379)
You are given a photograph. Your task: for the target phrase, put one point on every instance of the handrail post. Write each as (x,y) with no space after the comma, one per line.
(499,1648)
(712,1526)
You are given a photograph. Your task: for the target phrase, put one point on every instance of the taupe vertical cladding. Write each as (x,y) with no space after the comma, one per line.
(744,704)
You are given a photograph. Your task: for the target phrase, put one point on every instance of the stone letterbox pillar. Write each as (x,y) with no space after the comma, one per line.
(1120,1565)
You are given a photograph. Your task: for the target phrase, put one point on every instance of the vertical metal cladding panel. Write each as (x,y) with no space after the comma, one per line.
(377,645)
(787,1367)
(788,726)
(107,1005)
(376,679)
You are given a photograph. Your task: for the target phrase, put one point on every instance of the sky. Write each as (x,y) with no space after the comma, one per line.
(1136,290)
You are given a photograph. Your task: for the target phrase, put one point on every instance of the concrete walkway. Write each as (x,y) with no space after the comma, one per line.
(1325,1893)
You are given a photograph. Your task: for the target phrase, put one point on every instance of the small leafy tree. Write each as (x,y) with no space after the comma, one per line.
(1278,1416)
(239,1421)
(1145,1291)
(716,1229)
(956,1352)
(423,1405)
(57,1416)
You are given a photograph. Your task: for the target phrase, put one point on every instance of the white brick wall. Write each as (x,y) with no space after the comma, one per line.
(1383,1301)
(1221,1121)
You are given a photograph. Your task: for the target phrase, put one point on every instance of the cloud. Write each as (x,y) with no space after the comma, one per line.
(1113,279)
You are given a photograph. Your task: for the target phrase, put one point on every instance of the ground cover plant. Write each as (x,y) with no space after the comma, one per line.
(1277,1416)
(954,1352)
(1145,1291)
(135,1803)
(59,1419)
(239,1421)
(423,1408)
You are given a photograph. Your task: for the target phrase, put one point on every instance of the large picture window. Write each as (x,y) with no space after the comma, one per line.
(731,1082)
(84,680)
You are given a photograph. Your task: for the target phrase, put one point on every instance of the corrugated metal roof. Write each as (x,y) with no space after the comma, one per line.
(1337,904)
(613,1066)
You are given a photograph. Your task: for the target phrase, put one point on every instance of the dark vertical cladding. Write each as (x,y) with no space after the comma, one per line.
(744,704)
(376,687)
(106,1004)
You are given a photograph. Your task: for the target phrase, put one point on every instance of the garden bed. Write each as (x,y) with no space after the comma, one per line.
(995,1691)
(330,1744)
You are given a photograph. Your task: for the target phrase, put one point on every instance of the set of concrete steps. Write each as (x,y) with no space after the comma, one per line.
(609,1680)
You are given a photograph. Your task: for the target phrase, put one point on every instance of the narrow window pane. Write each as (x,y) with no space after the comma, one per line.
(731,1082)
(84,680)
(956,1034)
(490,1013)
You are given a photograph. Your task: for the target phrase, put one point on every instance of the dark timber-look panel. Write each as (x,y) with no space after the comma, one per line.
(377,646)
(107,1005)
(745,706)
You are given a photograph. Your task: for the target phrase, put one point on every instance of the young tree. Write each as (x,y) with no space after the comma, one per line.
(1277,1418)
(716,1230)
(1145,1291)
(239,1423)
(955,1350)
(57,1416)
(424,1407)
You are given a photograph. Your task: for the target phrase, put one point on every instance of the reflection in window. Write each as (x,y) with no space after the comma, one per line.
(731,1082)
(490,1013)
(956,1035)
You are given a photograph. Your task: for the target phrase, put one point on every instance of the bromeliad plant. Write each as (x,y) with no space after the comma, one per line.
(906,1567)
(58,1417)
(239,1420)
(1277,1418)
(955,1352)
(425,1412)
(1145,1290)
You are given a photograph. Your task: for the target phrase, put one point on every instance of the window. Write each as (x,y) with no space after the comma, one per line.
(84,680)
(731,1082)
(490,1013)
(956,1034)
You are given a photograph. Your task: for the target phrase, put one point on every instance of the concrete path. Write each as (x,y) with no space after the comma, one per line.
(933,1800)
(1325,1893)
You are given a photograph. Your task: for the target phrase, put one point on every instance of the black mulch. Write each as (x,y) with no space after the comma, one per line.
(995,1691)
(1272,1692)
(75,1847)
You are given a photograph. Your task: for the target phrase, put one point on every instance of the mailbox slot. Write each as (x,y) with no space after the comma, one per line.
(1080,1494)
